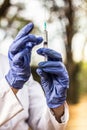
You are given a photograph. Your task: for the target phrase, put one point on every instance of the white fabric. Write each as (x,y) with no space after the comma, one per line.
(36,114)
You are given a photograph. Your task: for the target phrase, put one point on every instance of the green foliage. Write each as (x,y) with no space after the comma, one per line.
(82,77)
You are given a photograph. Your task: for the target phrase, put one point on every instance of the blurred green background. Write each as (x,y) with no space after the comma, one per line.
(67,34)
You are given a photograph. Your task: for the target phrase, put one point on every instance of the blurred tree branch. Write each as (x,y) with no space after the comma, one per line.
(6,4)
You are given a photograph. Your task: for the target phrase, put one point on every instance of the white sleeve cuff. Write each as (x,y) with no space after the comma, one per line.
(65,117)
(9,104)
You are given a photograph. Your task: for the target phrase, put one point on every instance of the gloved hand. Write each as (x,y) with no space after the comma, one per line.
(54,77)
(19,56)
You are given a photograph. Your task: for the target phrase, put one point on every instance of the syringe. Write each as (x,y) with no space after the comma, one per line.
(45,43)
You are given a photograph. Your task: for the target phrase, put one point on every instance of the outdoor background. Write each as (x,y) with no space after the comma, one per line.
(67,34)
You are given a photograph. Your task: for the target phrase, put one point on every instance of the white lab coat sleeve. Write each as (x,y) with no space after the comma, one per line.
(9,104)
(40,116)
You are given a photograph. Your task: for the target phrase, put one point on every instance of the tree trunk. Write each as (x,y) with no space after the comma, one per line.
(72,67)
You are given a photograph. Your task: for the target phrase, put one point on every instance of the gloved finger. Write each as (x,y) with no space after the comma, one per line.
(30,45)
(41,73)
(22,58)
(45,64)
(44,79)
(61,72)
(39,40)
(21,43)
(57,68)
(61,75)
(24,31)
(50,54)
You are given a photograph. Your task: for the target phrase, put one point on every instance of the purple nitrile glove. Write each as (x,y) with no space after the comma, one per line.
(19,56)
(54,77)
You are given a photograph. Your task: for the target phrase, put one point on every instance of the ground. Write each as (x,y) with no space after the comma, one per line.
(78,115)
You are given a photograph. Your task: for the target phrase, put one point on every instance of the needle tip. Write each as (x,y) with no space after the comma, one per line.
(45,25)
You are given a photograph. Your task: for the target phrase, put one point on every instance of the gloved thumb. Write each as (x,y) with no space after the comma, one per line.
(41,73)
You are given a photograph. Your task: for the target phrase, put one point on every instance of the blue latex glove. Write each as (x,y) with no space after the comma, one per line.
(54,77)
(19,56)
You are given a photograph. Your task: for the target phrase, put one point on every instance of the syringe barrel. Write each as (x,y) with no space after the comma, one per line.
(45,43)
(45,38)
